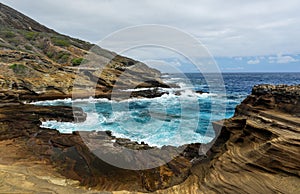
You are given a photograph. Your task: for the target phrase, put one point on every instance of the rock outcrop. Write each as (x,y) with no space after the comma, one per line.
(257,151)
(69,155)
(37,63)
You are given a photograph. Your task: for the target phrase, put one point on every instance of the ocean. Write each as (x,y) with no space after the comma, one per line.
(183,116)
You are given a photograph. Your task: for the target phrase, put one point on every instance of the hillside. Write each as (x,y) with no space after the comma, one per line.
(38,63)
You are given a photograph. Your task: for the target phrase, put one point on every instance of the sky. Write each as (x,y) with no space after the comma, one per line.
(242,36)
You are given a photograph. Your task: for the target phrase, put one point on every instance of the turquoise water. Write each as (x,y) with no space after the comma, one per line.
(170,119)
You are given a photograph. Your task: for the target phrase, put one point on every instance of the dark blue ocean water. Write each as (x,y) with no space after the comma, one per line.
(172,119)
(239,85)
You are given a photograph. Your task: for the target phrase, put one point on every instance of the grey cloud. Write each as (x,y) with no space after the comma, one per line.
(227,28)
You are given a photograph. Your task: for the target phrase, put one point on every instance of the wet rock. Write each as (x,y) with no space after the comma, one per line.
(201,92)
(178,93)
(75,155)
(255,149)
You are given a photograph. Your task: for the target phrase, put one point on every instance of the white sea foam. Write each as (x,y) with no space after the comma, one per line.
(138,89)
(155,121)
(91,122)
(53,102)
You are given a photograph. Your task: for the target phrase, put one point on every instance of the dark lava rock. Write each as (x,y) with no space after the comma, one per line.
(70,155)
(201,92)
(258,148)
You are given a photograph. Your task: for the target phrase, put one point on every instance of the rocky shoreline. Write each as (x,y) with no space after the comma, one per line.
(68,154)
(256,150)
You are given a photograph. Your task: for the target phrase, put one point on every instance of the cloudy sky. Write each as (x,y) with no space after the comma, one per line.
(242,35)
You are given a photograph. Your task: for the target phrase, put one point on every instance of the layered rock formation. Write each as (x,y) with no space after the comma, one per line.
(257,151)
(69,155)
(38,64)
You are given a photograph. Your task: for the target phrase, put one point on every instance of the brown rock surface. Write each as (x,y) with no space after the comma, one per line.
(37,63)
(257,151)
(22,141)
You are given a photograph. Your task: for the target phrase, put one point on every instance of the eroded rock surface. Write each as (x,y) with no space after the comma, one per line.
(69,155)
(258,150)
(37,63)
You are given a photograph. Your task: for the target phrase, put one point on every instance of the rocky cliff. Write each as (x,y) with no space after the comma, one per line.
(39,63)
(257,151)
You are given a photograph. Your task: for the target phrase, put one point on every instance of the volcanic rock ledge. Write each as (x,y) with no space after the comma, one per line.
(24,143)
(258,150)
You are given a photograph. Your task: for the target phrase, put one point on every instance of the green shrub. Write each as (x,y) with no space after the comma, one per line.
(30,35)
(60,41)
(63,55)
(50,54)
(18,68)
(65,58)
(15,41)
(77,61)
(9,34)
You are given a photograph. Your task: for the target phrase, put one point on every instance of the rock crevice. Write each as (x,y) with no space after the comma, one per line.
(258,150)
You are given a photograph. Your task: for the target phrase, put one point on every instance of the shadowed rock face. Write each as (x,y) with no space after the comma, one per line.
(69,155)
(36,63)
(257,151)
